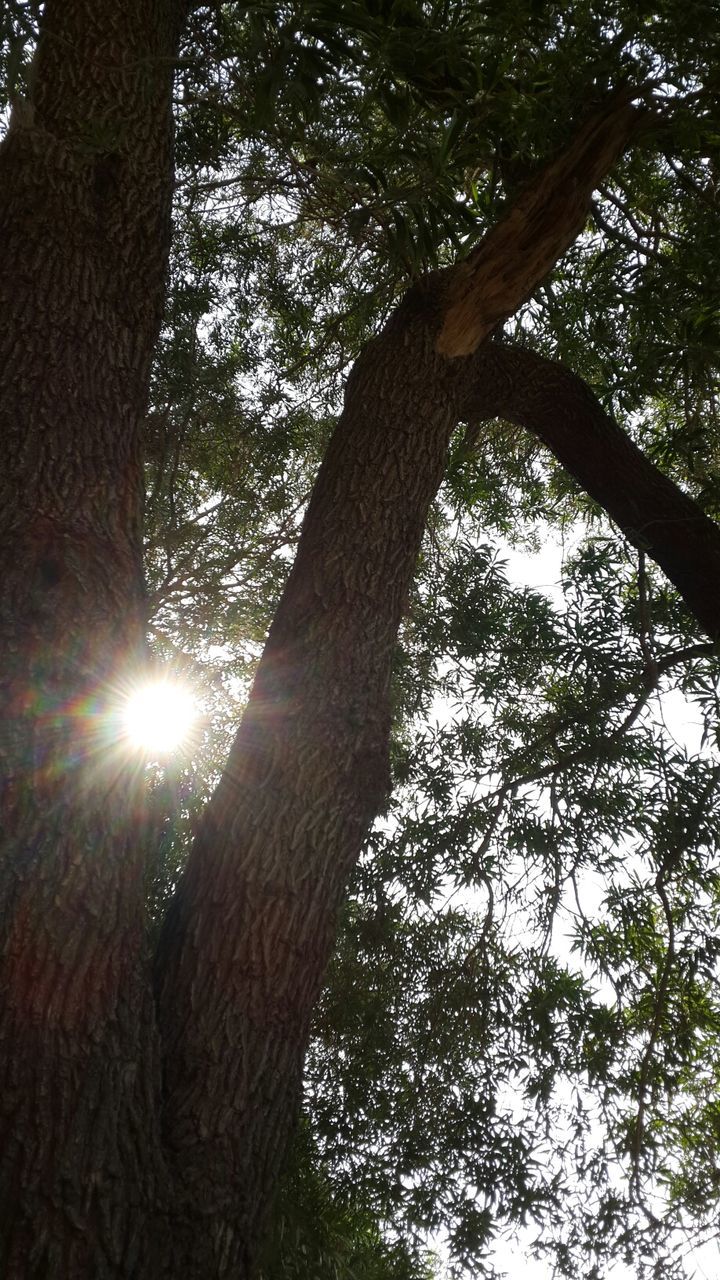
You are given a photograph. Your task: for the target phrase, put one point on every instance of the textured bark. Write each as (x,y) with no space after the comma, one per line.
(249,938)
(85,182)
(653,512)
(523,247)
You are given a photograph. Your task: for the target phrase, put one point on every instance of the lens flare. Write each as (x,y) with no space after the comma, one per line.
(159,717)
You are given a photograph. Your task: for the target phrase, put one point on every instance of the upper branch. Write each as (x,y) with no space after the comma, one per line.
(560,409)
(520,250)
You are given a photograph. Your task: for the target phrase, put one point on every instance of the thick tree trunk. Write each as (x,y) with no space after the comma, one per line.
(85,183)
(250,934)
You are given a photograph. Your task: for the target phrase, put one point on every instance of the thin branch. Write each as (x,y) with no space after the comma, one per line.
(646,630)
(614,233)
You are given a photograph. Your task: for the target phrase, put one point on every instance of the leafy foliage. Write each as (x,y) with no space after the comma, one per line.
(529,967)
(320,1233)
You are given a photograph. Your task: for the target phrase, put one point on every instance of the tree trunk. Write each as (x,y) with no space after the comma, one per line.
(85,184)
(250,934)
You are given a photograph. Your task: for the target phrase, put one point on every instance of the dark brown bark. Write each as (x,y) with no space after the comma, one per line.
(251,929)
(652,511)
(85,184)
(250,935)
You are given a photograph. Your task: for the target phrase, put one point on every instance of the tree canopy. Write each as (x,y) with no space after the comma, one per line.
(521,1023)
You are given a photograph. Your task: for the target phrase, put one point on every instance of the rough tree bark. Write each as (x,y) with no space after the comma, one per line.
(85,190)
(108,1167)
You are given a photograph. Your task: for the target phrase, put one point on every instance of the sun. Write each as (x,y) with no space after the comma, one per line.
(159,716)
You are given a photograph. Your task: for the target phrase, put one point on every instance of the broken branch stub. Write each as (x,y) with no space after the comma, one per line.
(512,259)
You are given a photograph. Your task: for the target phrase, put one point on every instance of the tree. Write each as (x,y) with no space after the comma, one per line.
(148,1100)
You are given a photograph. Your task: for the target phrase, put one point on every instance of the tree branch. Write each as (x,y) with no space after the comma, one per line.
(653,512)
(523,247)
